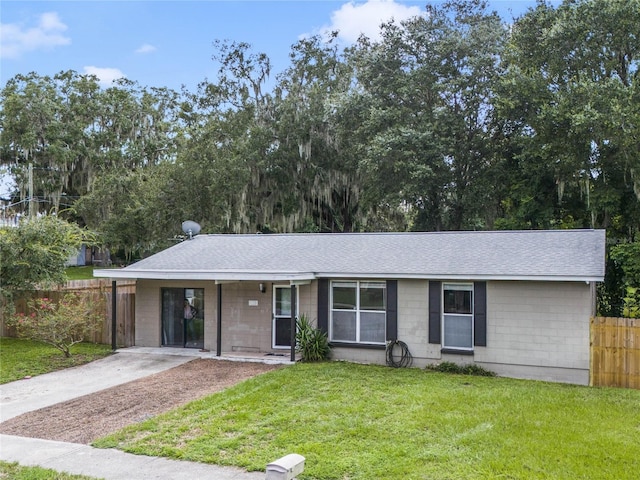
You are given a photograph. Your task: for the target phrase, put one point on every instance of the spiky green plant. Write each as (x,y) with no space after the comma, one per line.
(311,342)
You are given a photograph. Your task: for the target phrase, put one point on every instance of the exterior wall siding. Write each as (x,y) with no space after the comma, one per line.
(308,295)
(149,310)
(537,330)
(246,327)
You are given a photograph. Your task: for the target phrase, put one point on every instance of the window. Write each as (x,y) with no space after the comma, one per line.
(457,317)
(358,312)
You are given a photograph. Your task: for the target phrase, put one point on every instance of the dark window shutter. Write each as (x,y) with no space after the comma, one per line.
(323,305)
(392,309)
(480,314)
(435,296)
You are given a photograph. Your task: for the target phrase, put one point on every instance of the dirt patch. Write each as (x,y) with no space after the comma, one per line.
(89,417)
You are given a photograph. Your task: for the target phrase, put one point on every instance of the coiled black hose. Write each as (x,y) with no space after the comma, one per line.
(404,359)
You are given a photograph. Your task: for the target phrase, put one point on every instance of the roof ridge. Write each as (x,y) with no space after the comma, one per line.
(439,232)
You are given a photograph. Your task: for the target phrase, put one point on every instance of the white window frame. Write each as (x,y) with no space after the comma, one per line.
(469,287)
(357,311)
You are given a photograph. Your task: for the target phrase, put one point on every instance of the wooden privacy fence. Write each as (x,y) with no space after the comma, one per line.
(98,294)
(615,352)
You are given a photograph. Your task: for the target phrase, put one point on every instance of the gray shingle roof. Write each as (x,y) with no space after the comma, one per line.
(576,255)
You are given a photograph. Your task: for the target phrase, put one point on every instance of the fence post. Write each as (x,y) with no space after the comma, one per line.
(114,316)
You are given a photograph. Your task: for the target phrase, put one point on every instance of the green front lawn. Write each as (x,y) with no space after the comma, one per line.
(13,471)
(20,358)
(369,422)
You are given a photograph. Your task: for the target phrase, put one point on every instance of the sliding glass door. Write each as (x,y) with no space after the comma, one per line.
(183,317)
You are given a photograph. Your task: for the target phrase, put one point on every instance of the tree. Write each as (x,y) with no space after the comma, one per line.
(626,258)
(72,133)
(425,126)
(570,104)
(34,254)
(317,172)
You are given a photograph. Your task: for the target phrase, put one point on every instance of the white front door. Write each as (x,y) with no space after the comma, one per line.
(281,332)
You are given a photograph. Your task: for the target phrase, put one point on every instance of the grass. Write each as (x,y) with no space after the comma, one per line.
(20,358)
(80,273)
(14,471)
(368,422)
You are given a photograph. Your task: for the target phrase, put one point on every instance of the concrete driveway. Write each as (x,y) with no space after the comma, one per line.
(41,391)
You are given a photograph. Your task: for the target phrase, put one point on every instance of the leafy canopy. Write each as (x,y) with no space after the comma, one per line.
(34,253)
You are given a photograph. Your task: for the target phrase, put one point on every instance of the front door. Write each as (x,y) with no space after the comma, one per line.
(183,317)
(281,337)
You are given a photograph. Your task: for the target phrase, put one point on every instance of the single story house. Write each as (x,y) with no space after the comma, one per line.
(515,302)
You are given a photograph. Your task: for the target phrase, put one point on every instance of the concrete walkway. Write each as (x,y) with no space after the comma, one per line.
(41,391)
(110,464)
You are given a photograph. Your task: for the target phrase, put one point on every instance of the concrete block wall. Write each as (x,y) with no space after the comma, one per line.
(246,313)
(308,297)
(538,324)
(413,321)
(376,356)
(246,317)
(147,331)
(537,330)
(247,327)
(534,329)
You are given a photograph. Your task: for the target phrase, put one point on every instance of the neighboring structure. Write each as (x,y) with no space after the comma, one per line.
(89,256)
(515,302)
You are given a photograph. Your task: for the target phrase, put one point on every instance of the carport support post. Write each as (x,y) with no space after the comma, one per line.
(114,316)
(219,331)
(294,308)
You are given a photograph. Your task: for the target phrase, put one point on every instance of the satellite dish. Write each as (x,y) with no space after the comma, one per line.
(190,228)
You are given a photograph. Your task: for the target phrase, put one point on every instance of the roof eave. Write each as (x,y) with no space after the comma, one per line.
(303,276)
(202,275)
(466,277)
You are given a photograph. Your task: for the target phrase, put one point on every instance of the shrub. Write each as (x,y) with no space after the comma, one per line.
(311,342)
(467,369)
(61,324)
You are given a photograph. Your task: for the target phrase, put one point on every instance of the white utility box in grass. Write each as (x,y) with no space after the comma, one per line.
(285,468)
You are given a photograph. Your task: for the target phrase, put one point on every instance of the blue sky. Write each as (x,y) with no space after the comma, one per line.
(170,43)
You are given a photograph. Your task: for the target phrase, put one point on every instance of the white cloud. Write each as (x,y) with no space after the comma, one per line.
(106,76)
(353,19)
(16,39)
(146,48)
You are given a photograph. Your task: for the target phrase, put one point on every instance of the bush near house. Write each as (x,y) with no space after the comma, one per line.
(311,342)
(466,369)
(60,324)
